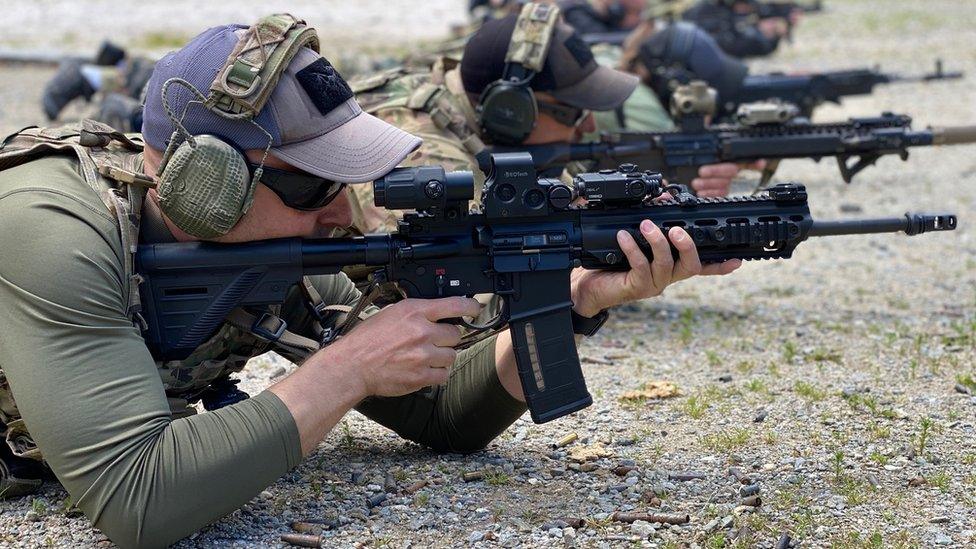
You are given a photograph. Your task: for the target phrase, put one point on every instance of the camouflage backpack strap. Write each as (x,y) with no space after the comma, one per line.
(447,114)
(254,66)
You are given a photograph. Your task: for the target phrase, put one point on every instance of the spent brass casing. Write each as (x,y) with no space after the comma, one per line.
(472,476)
(651,517)
(302,540)
(567,440)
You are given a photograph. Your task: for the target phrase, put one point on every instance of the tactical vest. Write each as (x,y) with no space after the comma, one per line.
(111,164)
(424,91)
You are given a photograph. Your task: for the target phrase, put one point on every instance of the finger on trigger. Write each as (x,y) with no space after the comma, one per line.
(451,307)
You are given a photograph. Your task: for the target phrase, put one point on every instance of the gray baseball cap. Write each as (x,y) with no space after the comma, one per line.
(313,118)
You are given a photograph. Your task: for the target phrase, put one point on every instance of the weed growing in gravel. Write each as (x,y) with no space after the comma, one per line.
(696,406)
(757,386)
(789,351)
(39,506)
(967,380)
(716,541)
(837,460)
(809,391)
(854,491)
(497,478)
(821,354)
(725,441)
(926,428)
(964,336)
(940,480)
(347,440)
(713,359)
(969,459)
(879,458)
(853,540)
(686,325)
(533,516)
(744,366)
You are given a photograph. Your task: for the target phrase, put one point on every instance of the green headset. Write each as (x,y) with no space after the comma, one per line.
(205,182)
(507,110)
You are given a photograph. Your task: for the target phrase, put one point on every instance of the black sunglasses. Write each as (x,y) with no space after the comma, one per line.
(301,191)
(564,114)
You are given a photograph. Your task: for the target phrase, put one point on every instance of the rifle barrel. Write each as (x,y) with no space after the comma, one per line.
(910,224)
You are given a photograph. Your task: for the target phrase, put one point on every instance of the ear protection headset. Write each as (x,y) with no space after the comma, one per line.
(507,108)
(205,183)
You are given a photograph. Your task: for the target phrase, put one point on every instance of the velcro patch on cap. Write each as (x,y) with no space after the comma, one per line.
(581,52)
(324,85)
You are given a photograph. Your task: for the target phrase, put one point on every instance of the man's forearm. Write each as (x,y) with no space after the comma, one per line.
(318,394)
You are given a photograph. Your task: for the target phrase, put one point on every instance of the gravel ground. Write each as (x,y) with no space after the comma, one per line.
(835,385)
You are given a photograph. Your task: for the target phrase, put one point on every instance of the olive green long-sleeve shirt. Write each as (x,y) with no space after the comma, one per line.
(93,400)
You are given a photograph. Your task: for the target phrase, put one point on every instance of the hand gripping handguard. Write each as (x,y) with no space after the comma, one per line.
(522,247)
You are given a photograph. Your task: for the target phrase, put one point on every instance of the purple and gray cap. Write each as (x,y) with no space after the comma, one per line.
(570,74)
(315,122)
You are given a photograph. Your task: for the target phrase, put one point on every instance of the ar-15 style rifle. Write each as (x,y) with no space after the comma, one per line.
(807,91)
(857,144)
(522,248)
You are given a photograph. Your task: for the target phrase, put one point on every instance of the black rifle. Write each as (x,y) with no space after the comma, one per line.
(857,144)
(807,91)
(521,248)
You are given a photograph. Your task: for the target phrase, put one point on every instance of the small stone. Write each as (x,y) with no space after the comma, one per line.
(761,416)
(872,480)
(278,372)
(725,378)
(32,516)
(960,388)
(374,487)
(376,499)
(851,208)
(942,539)
(476,536)
(686,476)
(622,470)
(641,528)
(588,467)
(940,520)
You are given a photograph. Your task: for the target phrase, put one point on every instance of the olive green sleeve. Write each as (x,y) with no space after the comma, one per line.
(463,415)
(89,392)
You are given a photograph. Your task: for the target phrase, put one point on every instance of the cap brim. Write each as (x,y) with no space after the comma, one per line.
(602,90)
(361,150)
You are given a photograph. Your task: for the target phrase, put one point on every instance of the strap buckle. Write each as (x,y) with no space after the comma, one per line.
(327,336)
(259,329)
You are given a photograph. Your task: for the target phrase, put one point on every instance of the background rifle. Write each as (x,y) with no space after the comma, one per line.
(522,248)
(807,91)
(857,144)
